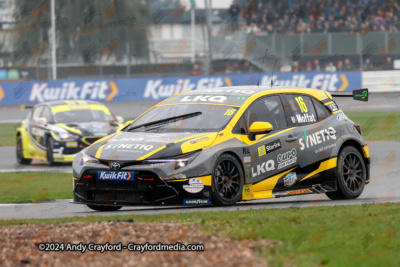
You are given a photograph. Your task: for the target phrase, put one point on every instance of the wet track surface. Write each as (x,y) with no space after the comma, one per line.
(384,187)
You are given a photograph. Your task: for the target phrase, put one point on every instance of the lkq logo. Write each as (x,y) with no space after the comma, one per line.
(204,98)
(100,90)
(305,118)
(287,158)
(317,138)
(263,168)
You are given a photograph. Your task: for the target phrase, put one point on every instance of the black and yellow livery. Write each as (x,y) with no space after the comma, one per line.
(224,145)
(56,131)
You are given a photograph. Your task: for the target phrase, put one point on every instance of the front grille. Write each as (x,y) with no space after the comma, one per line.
(91,139)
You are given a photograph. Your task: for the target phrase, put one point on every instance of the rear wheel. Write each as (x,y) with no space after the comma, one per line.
(104,208)
(227,181)
(352,174)
(20,152)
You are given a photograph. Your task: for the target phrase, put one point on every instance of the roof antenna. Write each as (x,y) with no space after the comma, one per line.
(272,77)
(258,82)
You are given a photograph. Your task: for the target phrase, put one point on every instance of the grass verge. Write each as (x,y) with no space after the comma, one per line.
(360,235)
(28,187)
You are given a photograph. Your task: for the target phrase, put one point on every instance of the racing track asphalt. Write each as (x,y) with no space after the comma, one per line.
(384,187)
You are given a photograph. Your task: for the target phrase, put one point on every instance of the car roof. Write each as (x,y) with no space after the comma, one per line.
(70,103)
(238,95)
(261,90)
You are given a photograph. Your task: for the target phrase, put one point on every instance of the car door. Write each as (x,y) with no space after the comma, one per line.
(35,128)
(261,154)
(314,133)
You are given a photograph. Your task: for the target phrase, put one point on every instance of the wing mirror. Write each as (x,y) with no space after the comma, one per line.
(259,127)
(119,119)
(42,121)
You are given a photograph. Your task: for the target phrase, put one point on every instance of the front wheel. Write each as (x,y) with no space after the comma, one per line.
(227,181)
(352,174)
(104,208)
(20,152)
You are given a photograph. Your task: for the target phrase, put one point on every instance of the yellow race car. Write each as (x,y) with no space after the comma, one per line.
(223,145)
(56,131)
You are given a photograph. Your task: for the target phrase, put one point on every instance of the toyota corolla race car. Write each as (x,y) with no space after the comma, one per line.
(223,145)
(56,131)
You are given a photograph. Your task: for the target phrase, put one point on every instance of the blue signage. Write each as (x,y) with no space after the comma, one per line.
(118,90)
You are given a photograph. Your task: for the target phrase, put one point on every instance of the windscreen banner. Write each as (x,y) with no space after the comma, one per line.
(157,89)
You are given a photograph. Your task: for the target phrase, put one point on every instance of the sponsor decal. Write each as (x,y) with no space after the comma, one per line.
(248,173)
(261,151)
(290,179)
(333,107)
(247,159)
(204,201)
(341,116)
(126,146)
(361,94)
(316,138)
(272,146)
(281,194)
(287,158)
(293,119)
(247,192)
(263,168)
(325,148)
(300,191)
(115,175)
(199,140)
(102,90)
(204,98)
(305,118)
(195,185)
(246,151)
(71,144)
(241,98)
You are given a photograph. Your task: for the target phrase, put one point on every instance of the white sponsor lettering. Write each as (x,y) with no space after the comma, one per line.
(203,98)
(287,158)
(317,138)
(263,168)
(305,118)
(131,146)
(92,90)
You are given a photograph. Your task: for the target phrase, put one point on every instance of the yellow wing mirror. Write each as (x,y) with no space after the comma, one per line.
(259,127)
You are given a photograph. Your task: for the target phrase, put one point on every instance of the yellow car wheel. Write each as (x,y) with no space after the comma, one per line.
(20,152)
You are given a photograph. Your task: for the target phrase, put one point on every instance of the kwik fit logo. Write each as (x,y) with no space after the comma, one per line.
(100,90)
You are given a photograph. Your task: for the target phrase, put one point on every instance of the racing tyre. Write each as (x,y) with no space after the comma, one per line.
(104,208)
(20,152)
(227,181)
(352,174)
(49,151)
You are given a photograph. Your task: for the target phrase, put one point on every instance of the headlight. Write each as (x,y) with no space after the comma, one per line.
(88,159)
(180,161)
(68,136)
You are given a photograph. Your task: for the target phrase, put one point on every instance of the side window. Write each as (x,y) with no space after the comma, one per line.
(36,113)
(301,109)
(322,111)
(266,109)
(46,114)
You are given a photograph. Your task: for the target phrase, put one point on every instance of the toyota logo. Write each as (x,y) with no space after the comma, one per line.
(115,166)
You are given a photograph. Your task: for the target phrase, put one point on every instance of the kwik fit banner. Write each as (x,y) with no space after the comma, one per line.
(117,90)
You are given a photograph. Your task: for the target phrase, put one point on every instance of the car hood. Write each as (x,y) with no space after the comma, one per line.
(90,128)
(133,146)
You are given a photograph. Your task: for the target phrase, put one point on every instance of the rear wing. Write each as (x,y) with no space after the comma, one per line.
(360,94)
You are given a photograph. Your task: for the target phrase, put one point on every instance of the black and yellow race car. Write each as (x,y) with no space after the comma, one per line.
(56,131)
(224,145)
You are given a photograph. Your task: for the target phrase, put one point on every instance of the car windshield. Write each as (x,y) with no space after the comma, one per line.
(82,115)
(210,118)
